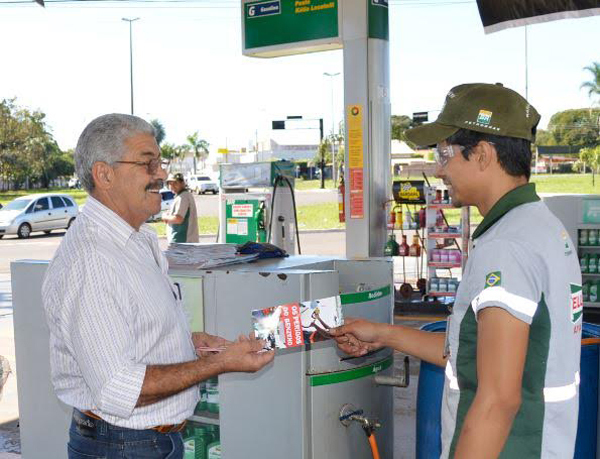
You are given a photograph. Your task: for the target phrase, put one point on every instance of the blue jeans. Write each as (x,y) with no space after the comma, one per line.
(91,438)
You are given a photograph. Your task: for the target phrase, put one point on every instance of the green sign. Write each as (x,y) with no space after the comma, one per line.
(591,211)
(378,19)
(349,375)
(363,297)
(289,25)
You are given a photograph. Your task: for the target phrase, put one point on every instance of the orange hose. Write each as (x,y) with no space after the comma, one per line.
(374,448)
(589,341)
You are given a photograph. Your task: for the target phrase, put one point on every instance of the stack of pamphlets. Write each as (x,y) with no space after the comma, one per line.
(297,324)
(204,256)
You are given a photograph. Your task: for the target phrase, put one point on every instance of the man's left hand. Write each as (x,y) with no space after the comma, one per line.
(201,339)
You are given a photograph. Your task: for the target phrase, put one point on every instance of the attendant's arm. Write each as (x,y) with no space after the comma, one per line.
(172,219)
(180,208)
(358,337)
(501,351)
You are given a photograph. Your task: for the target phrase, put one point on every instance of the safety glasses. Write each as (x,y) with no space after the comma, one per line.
(443,154)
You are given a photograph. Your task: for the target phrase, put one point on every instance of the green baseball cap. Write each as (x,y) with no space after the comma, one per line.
(481,107)
(178,177)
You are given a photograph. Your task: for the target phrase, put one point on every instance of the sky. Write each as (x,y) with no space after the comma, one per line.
(71,61)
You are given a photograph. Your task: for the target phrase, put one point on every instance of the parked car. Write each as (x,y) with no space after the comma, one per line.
(166,200)
(202,184)
(74,183)
(37,212)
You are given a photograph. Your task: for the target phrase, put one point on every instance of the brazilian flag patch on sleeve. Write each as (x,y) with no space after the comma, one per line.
(493,279)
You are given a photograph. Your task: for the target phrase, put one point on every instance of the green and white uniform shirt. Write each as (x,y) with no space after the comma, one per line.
(524,262)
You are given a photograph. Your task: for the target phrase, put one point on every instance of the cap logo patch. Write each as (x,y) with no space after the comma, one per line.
(493,279)
(484,117)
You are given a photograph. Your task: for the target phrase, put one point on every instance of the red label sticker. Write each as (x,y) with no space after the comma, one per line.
(292,325)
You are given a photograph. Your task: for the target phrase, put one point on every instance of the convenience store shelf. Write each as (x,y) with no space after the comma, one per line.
(444,235)
(206,417)
(436,264)
(440,206)
(589,246)
(590,275)
(588,304)
(442,294)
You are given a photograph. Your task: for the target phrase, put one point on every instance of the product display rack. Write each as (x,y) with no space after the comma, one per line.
(441,244)
(588,249)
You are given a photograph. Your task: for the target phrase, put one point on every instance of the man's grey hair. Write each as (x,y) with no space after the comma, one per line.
(103,139)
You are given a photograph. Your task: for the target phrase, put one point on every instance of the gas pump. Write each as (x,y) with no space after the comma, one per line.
(258,204)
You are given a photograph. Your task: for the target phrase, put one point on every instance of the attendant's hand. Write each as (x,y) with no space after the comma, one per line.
(245,355)
(358,337)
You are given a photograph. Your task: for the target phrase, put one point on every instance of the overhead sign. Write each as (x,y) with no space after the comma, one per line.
(498,15)
(223,151)
(256,10)
(272,28)
(421,117)
(378,19)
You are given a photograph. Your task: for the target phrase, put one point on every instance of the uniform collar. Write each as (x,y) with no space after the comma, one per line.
(115,227)
(521,195)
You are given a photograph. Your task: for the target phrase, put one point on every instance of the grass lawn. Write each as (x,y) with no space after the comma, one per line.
(313,184)
(566,183)
(80,196)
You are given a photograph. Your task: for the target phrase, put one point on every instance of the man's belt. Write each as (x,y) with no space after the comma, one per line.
(164,429)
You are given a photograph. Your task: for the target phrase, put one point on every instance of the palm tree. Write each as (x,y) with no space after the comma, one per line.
(593,86)
(200,148)
(159,131)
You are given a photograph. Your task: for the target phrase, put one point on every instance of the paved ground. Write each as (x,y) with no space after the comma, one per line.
(43,247)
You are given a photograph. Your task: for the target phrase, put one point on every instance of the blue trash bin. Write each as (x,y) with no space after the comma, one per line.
(429,404)
(431,387)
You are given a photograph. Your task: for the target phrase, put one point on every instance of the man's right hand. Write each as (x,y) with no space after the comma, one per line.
(245,355)
(358,337)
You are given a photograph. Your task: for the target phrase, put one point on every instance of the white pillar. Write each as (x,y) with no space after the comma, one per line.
(367,86)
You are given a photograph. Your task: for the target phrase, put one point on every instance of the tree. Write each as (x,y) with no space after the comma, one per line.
(28,152)
(591,157)
(400,123)
(159,131)
(200,148)
(168,151)
(545,138)
(593,86)
(576,127)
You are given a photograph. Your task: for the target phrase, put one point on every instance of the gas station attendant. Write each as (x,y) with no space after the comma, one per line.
(121,352)
(512,347)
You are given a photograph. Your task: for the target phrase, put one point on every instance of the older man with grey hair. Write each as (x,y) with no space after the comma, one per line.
(121,351)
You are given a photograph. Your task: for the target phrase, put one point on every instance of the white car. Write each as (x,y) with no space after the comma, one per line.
(37,212)
(202,184)
(166,200)
(74,183)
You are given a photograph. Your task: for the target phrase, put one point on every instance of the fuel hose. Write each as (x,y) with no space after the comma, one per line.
(373,443)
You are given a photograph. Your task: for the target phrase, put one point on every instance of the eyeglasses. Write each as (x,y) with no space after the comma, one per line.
(151,165)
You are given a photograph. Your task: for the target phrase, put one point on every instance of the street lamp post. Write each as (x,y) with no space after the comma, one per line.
(130,20)
(334,172)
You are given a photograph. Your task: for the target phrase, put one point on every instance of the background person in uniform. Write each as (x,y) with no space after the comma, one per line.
(182,219)
(514,335)
(121,351)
